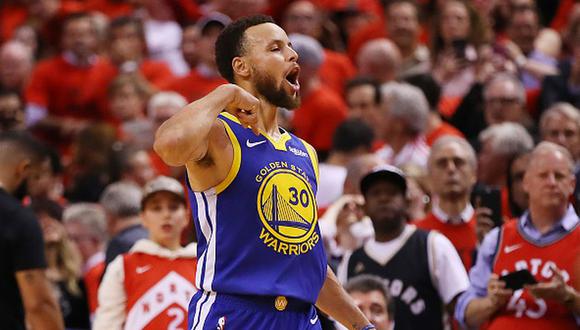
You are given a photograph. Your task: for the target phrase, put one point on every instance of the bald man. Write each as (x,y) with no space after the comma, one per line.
(545,241)
(379,59)
(16,62)
(25,289)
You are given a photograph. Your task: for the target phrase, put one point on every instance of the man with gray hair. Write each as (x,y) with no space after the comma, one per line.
(162,106)
(560,124)
(321,109)
(86,225)
(451,170)
(122,204)
(405,112)
(499,144)
(505,101)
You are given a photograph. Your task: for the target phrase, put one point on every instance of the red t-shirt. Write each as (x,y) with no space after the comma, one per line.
(194,85)
(322,110)
(515,252)
(462,236)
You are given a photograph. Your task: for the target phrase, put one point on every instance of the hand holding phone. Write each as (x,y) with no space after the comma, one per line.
(516,280)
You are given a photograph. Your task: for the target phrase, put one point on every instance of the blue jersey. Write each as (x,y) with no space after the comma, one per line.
(257,230)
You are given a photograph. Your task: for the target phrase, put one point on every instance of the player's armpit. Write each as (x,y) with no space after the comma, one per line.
(40,305)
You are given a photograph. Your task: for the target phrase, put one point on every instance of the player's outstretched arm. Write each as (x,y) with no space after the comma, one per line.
(335,301)
(186,136)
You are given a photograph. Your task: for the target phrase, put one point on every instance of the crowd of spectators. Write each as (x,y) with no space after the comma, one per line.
(434,121)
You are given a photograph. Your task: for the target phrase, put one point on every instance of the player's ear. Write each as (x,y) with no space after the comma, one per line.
(241,67)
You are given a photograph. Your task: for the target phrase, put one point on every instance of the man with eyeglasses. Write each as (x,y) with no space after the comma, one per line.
(505,101)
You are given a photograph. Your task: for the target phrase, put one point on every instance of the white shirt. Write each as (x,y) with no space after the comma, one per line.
(446,269)
(331,184)
(440,215)
(415,152)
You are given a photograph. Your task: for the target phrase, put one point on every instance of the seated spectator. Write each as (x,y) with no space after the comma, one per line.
(363,98)
(204,76)
(16,63)
(322,109)
(156,268)
(405,113)
(424,272)
(64,265)
(11,111)
(86,225)
(121,202)
(304,17)
(452,168)
(379,59)
(436,127)
(61,94)
(128,97)
(351,139)
(545,241)
(371,295)
(518,198)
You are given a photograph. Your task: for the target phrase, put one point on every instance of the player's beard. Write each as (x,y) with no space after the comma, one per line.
(275,94)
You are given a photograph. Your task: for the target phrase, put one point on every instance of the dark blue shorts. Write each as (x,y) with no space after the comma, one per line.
(216,311)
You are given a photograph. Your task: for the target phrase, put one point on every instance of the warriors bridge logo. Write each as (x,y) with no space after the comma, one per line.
(287,209)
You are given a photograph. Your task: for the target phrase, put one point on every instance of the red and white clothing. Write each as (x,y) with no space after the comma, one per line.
(414,152)
(148,288)
(516,252)
(460,231)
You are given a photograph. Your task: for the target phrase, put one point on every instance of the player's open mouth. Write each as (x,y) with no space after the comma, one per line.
(292,78)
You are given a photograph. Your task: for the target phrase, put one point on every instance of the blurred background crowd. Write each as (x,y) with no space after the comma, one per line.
(382,81)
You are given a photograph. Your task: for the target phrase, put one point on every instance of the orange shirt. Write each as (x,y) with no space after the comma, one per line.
(336,70)
(514,253)
(194,85)
(442,130)
(322,110)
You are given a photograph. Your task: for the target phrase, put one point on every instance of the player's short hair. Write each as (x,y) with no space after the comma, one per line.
(231,43)
(368,283)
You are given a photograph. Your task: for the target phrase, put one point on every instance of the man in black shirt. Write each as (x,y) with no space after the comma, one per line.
(25,290)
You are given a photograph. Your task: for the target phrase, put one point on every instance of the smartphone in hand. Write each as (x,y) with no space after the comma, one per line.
(489,197)
(516,280)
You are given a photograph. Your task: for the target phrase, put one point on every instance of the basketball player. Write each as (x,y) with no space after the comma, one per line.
(252,189)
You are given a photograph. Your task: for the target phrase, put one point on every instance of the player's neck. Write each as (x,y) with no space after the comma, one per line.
(268,119)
